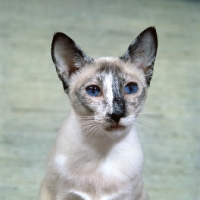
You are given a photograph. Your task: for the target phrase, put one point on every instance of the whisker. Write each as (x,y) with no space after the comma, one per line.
(140,119)
(87,122)
(92,131)
(146,113)
(86,117)
(142,127)
(87,126)
(138,127)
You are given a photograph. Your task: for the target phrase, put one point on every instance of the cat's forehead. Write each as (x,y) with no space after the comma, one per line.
(108,66)
(107,63)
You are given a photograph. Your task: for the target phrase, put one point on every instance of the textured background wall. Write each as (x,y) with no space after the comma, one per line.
(33,104)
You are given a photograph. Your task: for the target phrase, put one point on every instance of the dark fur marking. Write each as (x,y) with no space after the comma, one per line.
(64,82)
(125,57)
(119,108)
(142,96)
(118,100)
(83,101)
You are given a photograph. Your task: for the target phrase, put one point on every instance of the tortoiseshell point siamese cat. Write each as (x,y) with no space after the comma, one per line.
(97,154)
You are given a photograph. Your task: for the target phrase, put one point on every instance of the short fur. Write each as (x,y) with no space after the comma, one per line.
(97,154)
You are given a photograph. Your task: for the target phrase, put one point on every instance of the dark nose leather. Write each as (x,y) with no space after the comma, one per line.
(116,116)
(118,109)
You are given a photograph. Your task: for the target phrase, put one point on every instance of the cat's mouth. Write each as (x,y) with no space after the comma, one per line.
(115,127)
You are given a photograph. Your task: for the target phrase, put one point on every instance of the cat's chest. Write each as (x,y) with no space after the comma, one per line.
(109,178)
(115,172)
(113,166)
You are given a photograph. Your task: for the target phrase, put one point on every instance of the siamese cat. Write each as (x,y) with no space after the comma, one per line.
(97,154)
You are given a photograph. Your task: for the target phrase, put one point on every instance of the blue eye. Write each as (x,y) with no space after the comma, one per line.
(131,88)
(93,90)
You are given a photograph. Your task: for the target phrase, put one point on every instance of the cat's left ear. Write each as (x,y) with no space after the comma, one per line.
(142,52)
(67,57)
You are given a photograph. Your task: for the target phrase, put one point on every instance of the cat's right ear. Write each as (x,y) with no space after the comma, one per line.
(67,57)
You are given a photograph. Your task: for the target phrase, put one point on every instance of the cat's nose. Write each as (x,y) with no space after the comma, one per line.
(118,110)
(117,116)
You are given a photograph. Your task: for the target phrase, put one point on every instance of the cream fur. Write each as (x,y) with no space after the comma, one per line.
(77,166)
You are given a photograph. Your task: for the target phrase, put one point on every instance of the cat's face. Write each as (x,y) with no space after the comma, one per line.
(109,91)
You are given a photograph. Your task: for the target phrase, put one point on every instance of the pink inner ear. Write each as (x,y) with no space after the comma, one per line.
(140,62)
(64,62)
(143,60)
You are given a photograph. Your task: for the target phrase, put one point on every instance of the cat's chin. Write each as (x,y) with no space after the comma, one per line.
(116,132)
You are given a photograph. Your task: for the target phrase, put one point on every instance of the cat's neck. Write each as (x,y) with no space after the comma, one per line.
(101,142)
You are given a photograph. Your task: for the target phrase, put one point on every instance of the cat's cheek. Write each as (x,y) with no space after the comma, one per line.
(81,108)
(98,105)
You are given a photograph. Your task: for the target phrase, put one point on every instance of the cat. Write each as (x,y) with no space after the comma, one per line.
(97,154)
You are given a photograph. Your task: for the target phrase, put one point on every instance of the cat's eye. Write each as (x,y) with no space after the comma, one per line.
(93,90)
(131,88)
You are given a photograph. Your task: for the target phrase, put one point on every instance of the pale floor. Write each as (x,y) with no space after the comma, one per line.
(33,104)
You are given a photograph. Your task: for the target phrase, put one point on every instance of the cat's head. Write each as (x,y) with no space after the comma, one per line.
(109,90)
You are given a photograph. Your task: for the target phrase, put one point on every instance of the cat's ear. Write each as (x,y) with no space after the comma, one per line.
(67,57)
(142,52)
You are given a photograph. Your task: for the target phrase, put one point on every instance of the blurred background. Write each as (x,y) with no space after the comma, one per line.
(33,103)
